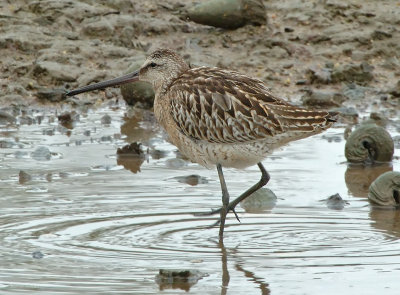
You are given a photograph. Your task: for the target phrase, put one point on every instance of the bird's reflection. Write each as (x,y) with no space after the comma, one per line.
(359,177)
(225,272)
(239,266)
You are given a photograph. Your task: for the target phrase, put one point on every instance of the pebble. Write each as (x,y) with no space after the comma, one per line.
(105,120)
(24,177)
(41,153)
(37,255)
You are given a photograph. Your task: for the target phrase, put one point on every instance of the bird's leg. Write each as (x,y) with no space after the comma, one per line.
(231,206)
(263,181)
(225,201)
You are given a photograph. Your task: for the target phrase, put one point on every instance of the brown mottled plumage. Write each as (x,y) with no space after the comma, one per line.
(220,117)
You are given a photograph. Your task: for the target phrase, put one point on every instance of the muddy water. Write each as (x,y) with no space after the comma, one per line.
(83,224)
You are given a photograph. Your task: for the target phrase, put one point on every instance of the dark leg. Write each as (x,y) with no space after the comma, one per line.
(231,206)
(225,201)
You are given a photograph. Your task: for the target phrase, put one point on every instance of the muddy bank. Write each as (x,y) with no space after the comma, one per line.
(304,47)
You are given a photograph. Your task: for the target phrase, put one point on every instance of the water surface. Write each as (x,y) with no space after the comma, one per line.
(86,224)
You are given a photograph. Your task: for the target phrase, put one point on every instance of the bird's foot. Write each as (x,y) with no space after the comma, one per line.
(218,211)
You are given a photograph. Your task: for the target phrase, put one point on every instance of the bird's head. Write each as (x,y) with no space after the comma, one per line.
(160,68)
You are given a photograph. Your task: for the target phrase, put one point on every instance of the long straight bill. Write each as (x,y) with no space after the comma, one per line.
(131,77)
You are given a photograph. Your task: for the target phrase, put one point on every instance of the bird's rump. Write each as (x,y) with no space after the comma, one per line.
(223,106)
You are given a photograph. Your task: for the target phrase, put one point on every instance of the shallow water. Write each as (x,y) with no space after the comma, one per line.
(83,224)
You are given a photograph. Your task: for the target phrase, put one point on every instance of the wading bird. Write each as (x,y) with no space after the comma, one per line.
(220,117)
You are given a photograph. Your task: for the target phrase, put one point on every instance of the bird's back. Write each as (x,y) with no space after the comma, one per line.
(221,106)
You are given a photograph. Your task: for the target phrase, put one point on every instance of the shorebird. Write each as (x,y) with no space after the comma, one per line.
(219,117)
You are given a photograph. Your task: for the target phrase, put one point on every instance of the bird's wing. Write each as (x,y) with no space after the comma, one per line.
(225,107)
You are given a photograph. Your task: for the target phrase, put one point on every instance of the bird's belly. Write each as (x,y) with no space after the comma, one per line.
(237,155)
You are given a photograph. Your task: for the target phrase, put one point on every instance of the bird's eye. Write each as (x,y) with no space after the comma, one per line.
(153,65)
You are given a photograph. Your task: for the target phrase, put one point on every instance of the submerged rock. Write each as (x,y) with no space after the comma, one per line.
(106,119)
(41,153)
(228,14)
(24,177)
(335,202)
(193,179)
(178,279)
(385,190)
(37,255)
(368,144)
(260,201)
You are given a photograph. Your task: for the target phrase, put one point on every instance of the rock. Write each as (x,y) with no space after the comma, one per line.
(101,28)
(41,153)
(335,202)
(191,179)
(380,35)
(260,201)
(6,118)
(378,119)
(350,73)
(319,75)
(68,119)
(369,143)
(385,190)
(52,95)
(14,100)
(395,91)
(317,98)
(347,114)
(178,279)
(175,163)
(355,92)
(50,70)
(138,91)
(37,255)
(228,14)
(105,120)
(24,177)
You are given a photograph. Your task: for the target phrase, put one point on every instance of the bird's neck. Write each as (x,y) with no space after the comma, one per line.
(162,84)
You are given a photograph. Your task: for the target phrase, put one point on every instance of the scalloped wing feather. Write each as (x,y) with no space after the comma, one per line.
(223,106)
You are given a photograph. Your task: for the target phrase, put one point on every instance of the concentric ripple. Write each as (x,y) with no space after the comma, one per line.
(81,224)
